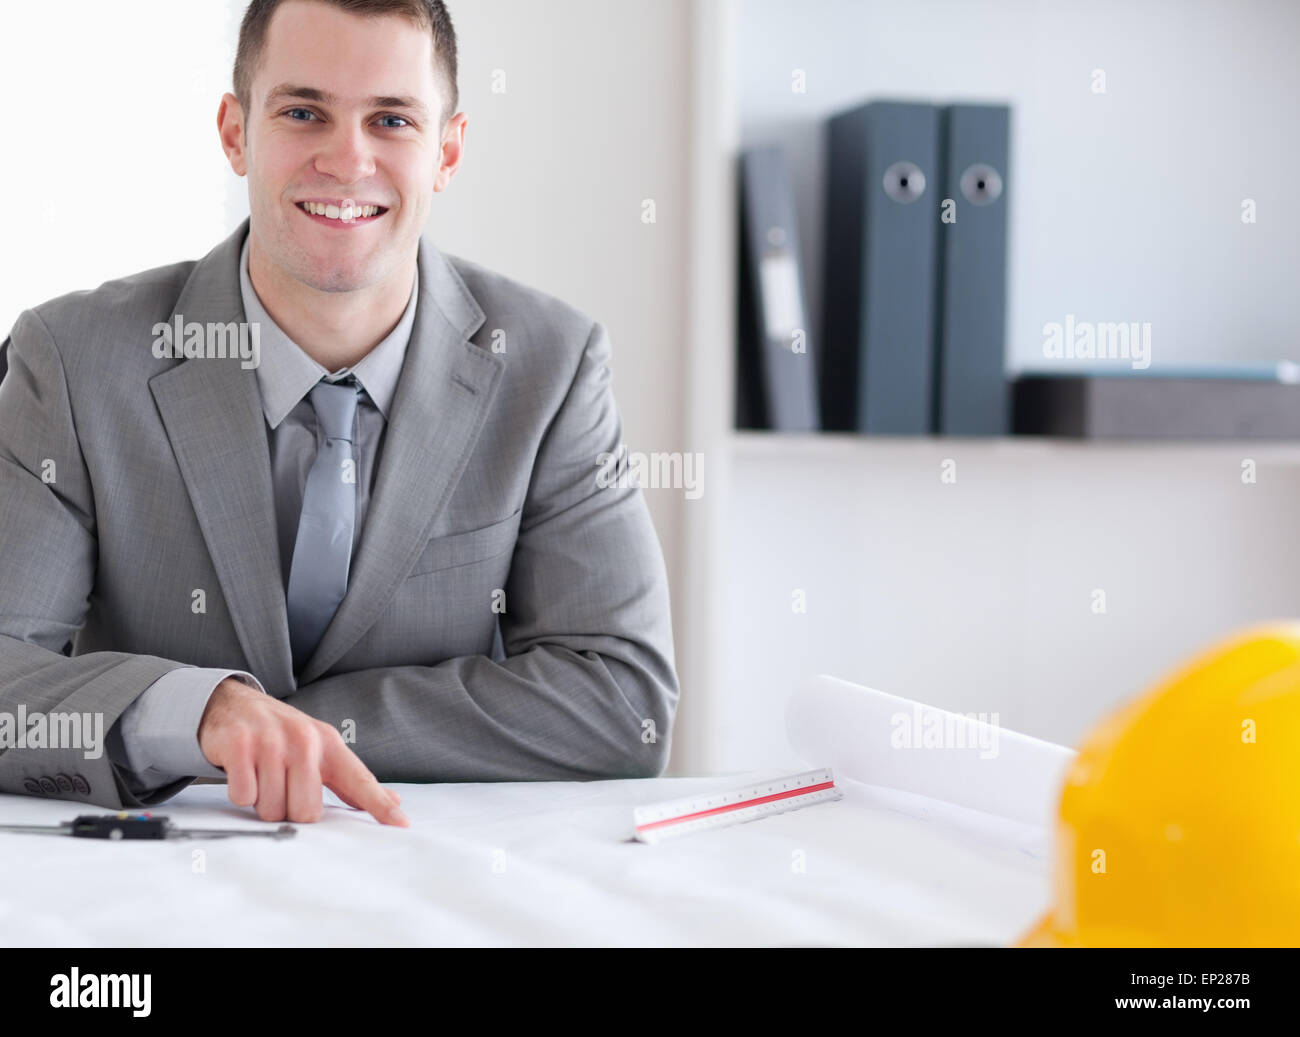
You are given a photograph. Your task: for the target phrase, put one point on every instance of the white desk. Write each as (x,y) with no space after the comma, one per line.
(882,868)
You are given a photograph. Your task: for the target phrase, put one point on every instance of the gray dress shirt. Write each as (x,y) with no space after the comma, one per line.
(156,738)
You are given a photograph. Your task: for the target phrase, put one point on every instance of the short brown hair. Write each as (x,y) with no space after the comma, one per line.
(427,14)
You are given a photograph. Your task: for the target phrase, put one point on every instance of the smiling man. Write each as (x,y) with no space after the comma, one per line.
(380,553)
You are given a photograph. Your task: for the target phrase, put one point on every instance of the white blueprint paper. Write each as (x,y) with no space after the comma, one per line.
(553,863)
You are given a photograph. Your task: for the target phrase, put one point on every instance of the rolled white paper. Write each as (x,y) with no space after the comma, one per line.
(884,740)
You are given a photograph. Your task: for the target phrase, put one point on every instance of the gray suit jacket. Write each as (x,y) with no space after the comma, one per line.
(129,484)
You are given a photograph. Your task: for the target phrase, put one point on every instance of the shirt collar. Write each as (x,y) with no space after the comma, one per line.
(286,374)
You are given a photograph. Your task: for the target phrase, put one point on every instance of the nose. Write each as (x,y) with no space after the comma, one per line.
(346,155)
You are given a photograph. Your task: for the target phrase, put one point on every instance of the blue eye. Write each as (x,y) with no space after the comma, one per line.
(306,115)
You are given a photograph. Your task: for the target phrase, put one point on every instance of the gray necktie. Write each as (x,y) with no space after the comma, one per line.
(322,553)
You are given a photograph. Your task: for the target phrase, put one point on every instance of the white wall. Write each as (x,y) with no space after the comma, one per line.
(979,595)
(111,158)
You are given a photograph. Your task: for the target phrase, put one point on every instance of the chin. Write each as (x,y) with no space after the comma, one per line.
(326,276)
(337,282)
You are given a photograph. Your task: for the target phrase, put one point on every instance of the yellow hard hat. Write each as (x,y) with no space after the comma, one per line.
(1180,819)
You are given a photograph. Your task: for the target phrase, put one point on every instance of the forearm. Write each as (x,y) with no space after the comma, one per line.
(551,713)
(81,696)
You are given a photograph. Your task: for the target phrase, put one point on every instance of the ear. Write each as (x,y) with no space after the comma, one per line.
(230,127)
(452,151)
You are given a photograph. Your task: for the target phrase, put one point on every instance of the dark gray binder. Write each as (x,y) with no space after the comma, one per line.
(882,219)
(776,374)
(1135,406)
(973,392)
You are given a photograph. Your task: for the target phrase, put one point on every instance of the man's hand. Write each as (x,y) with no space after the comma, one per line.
(278,758)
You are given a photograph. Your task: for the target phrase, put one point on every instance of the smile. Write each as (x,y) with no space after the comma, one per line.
(341,214)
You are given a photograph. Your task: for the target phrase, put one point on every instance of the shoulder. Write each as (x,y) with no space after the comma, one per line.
(87,324)
(124,297)
(521,312)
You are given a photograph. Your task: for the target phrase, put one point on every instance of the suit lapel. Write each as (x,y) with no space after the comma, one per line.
(212,412)
(443,396)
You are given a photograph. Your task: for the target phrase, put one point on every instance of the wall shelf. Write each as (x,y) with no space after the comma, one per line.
(846,445)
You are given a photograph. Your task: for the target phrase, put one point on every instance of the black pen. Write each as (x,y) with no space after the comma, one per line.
(139,826)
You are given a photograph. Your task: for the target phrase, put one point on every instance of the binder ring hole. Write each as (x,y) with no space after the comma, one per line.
(904,182)
(981,184)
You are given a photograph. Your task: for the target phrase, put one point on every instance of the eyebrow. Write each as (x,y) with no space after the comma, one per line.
(287,91)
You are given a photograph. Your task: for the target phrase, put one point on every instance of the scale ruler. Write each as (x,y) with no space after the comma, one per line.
(661,821)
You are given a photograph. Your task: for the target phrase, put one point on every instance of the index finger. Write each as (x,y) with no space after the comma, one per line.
(342,771)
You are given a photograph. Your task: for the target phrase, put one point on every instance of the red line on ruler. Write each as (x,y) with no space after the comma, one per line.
(741,805)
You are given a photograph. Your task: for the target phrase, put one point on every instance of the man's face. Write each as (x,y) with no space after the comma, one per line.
(368,134)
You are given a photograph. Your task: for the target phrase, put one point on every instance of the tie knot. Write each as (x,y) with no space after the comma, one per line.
(336,407)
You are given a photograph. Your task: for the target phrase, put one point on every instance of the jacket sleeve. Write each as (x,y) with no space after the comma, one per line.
(588,688)
(55,711)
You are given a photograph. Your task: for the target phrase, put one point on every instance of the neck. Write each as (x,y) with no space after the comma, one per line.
(336,329)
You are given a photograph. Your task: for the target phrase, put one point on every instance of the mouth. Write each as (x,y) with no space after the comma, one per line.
(342,213)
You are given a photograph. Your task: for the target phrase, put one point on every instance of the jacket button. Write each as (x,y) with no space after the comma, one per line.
(63,782)
(81,785)
(48,786)
(33,786)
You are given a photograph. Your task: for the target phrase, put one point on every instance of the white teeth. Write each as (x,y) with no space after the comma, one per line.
(346,212)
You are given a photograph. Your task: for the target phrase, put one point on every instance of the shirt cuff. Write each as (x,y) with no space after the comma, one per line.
(159,731)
